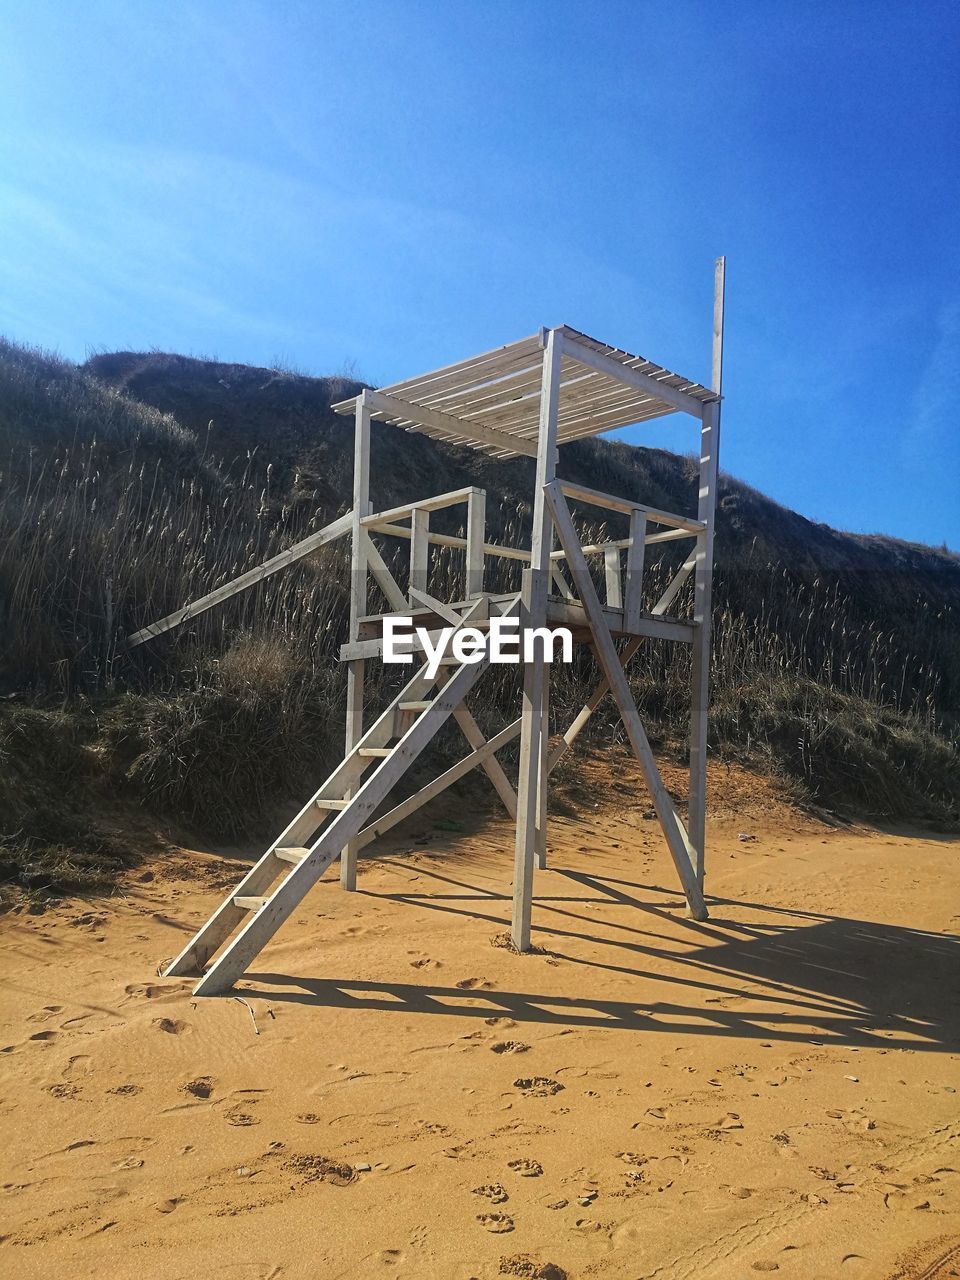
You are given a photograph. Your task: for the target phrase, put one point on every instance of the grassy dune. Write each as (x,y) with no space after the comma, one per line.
(140,481)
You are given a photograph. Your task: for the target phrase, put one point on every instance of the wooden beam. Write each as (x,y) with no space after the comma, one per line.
(437,503)
(476,534)
(579,351)
(594,498)
(359,547)
(343,828)
(673,828)
(329,533)
(407,807)
(382,575)
(611,577)
(455,429)
(633,594)
(419,549)
(533,614)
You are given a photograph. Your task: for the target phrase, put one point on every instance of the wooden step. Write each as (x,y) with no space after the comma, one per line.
(375,751)
(414,706)
(249,904)
(291,855)
(331,804)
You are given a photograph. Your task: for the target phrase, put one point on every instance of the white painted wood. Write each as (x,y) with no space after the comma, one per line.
(657,390)
(250,941)
(329,533)
(702,591)
(453,498)
(353,729)
(403,810)
(593,497)
(476,537)
(419,550)
(294,855)
(452,430)
(451,540)
(633,590)
(533,613)
(611,575)
(380,573)
(673,829)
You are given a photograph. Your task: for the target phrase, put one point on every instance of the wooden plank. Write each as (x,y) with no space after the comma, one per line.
(451,540)
(579,722)
(381,575)
(599,693)
(353,728)
(250,941)
(436,606)
(491,767)
(301,828)
(673,828)
(453,498)
(419,550)
(593,497)
(633,593)
(573,615)
(296,854)
(702,591)
(454,430)
(577,350)
(533,614)
(476,535)
(329,533)
(245,903)
(403,810)
(611,575)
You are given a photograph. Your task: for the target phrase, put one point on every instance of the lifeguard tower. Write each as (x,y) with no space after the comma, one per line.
(528,398)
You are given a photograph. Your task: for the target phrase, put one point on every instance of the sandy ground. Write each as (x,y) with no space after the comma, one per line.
(774,1091)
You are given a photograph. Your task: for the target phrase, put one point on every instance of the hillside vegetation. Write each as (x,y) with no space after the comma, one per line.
(140,481)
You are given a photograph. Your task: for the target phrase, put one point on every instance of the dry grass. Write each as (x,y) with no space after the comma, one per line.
(111,514)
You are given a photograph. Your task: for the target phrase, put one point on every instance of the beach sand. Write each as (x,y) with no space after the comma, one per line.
(398,1094)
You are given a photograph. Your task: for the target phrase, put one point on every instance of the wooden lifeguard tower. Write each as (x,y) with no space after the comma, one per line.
(527,398)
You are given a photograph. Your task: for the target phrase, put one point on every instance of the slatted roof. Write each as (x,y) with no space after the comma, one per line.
(491,402)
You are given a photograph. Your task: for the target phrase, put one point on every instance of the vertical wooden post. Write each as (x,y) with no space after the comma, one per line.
(358,607)
(633,592)
(611,573)
(531,800)
(476,537)
(419,550)
(703,585)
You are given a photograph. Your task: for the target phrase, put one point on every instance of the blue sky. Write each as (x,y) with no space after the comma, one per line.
(385,187)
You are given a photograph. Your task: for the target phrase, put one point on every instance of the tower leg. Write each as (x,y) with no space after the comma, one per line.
(531,784)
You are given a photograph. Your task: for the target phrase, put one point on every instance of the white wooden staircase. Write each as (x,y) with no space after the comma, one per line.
(334,816)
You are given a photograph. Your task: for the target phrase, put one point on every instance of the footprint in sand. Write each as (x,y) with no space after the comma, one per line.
(239,1118)
(202,1087)
(125,1090)
(308,1117)
(172,1026)
(64,1090)
(167,1206)
(527,1268)
(537,1086)
(494,1192)
(44,1035)
(498,1223)
(509,1046)
(44,1014)
(526,1168)
(473,984)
